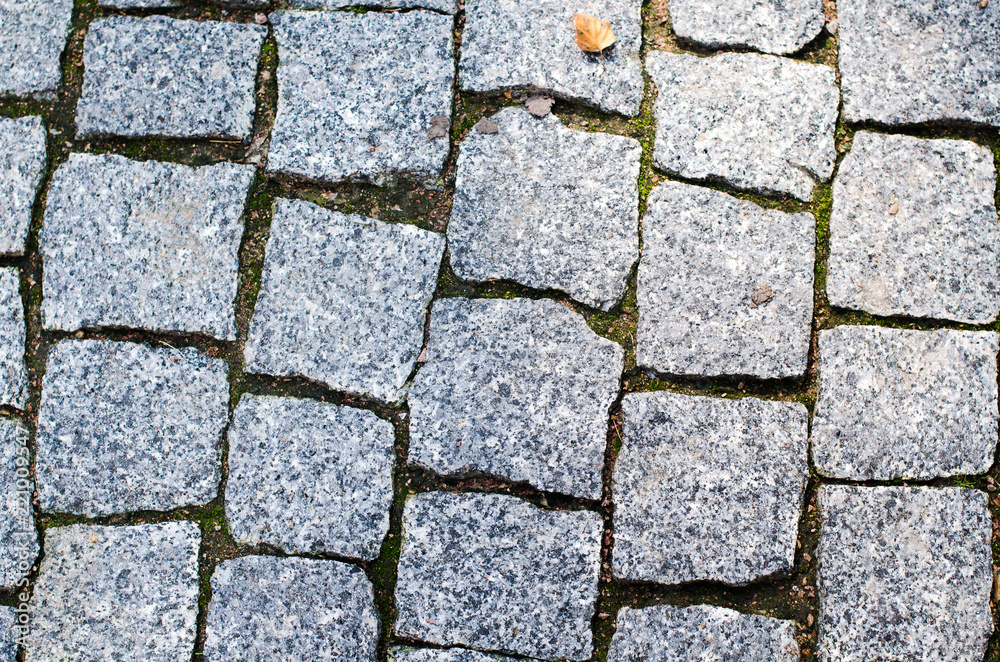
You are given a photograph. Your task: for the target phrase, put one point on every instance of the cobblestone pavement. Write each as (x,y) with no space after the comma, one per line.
(411,333)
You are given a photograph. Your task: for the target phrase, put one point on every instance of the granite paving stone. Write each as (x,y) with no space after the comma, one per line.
(116,592)
(18,536)
(516,388)
(22,162)
(724,286)
(139,4)
(401,654)
(547,207)
(144,245)
(497,573)
(904,574)
(914,229)
(125,427)
(8,645)
(909,62)
(708,488)
(358,94)
(13,375)
(266,608)
(772,26)
(32,38)
(544,53)
(168,77)
(343,300)
(446,6)
(756,122)
(701,633)
(896,403)
(308,476)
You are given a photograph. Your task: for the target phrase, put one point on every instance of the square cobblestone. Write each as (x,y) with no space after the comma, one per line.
(13,374)
(18,536)
(22,162)
(780,28)
(32,38)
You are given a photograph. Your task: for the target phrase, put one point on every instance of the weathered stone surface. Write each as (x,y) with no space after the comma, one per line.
(13,376)
(144,245)
(707,488)
(113,593)
(725,286)
(772,26)
(914,229)
(495,572)
(897,403)
(907,62)
(757,122)
(904,574)
(308,476)
(139,4)
(22,160)
(547,207)
(267,608)
(517,388)
(400,654)
(8,646)
(32,38)
(169,77)
(18,536)
(361,111)
(701,633)
(343,299)
(124,427)
(544,53)
(446,6)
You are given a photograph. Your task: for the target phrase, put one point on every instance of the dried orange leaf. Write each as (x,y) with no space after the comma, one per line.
(592,34)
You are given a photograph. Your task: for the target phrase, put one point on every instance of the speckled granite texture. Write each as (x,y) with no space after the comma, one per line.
(707,488)
(516,388)
(906,62)
(446,6)
(497,573)
(13,375)
(904,574)
(544,52)
(400,654)
(547,207)
(18,536)
(168,77)
(914,229)
(8,646)
(116,593)
(22,160)
(772,26)
(898,403)
(307,476)
(343,299)
(267,608)
(125,427)
(33,34)
(143,245)
(756,122)
(139,4)
(701,633)
(361,110)
(705,256)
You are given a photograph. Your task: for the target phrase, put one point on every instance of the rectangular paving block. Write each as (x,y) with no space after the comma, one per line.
(896,403)
(32,38)
(116,593)
(756,122)
(160,76)
(13,374)
(780,28)
(914,229)
(904,574)
(18,536)
(445,6)
(494,572)
(404,654)
(307,476)
(724,286)
(125,427)
(343,299)
(362,110)
(22,162)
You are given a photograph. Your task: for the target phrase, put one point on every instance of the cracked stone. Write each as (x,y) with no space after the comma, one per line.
(13,374)
(18,536)
(778,27)
(401,654)
(22,163)
(32,35)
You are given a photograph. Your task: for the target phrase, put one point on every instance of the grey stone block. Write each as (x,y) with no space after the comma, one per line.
(8,643)
(494,572)
(707,488)
(445,6)
(547,207)
(904,574)
(757,122)
(22,162)
(139,4)
(895,403)
(125,427)
(764,25)
(168,77)
(267,608)
(361,110)
(701,633)
(517,388)
(32,38)
(13,374)
(308,476)
(143,245)
(908,62)
(18,536)
(509,43)
(343,299)
(400,654)
(111,593)
(724,286)
(914,229)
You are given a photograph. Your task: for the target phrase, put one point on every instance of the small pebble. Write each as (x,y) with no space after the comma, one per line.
(260,18)
(539,106)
